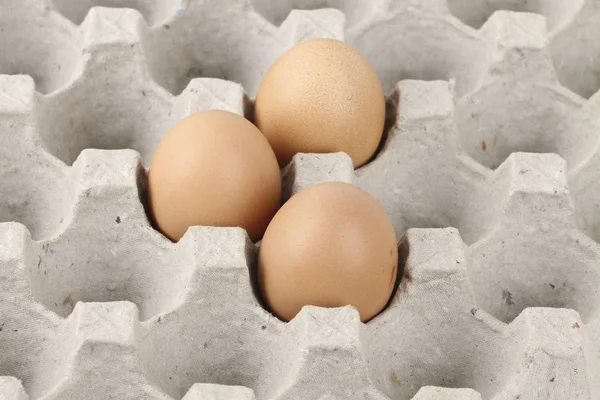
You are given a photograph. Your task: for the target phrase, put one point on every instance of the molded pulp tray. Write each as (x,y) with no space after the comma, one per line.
(489,172)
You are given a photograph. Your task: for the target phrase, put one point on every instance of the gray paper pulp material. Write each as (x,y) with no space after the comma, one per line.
(488,172)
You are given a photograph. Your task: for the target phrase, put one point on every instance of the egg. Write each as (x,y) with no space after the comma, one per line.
(321,96)
(213,168)
(330,245)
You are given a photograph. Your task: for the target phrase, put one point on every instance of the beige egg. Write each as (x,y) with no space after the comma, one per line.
(214,168)
(321,96)
(330,245)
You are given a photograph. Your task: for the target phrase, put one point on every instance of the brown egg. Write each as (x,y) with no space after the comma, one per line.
(321,96)
(214,168)
(330,245)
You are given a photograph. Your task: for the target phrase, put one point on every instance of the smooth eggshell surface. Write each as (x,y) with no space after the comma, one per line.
(214,168)
(321,96)
(330,245)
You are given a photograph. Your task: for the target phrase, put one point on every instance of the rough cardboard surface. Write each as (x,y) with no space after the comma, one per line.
(500,293)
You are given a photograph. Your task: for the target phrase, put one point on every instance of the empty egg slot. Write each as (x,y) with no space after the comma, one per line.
(96,121)
(420,46)
(534,254)
(578,67)
(176,53)
(498,120)
(61,276)
(154,12)
(176,77)
(476,13)
(505,297)
(41,47)
(35,190)
(420,149)
(60,279)
(227,339)
(436,288)
(240,54)
(43,209)
(76,266)
(568,22)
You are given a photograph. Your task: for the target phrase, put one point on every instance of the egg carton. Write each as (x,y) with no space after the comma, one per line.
(500,287)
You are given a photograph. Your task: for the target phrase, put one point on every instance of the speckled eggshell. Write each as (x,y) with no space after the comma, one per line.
(330,245)
(214,168)
(321,96)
